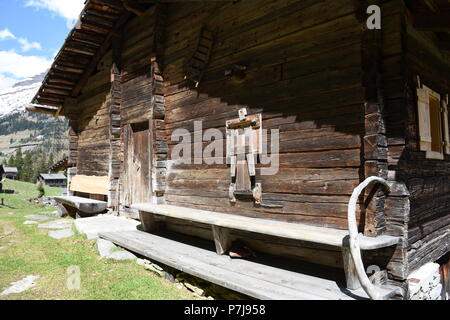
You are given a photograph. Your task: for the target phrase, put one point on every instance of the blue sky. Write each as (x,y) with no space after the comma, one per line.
(31,33)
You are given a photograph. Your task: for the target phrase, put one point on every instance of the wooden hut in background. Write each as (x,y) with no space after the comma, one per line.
(11,173)
(2,171)
(53,180)
(349,103)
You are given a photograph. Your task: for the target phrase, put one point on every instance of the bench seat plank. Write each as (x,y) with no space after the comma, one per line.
(254,279)
(296,231)
(84,205)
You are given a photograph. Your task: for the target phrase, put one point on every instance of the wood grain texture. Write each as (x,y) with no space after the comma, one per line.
(251,278)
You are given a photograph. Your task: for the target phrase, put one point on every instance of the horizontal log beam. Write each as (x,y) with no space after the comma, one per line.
(42,109)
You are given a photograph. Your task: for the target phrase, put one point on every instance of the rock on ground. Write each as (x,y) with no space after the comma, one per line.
(151,266)
(20,286)
(425,283)
(61,234)
(38,217)
(58,224)
(105,247)
(122,255)
(109,250)
(92,226)
(147,264)
(30,222)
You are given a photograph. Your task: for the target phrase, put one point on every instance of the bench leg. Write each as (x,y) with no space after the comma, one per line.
(350,270)
(221,239)
(65,209)
(148,221)
(62,211)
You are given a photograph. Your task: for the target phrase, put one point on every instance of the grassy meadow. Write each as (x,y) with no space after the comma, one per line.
(27,250)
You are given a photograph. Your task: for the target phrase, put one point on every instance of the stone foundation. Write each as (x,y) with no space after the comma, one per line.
(425,283)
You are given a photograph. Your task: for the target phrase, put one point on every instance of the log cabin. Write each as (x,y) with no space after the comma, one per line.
(2,172)
(356,115)
(52,180)
(10,173)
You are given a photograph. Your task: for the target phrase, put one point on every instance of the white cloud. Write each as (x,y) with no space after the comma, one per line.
(20,66)
(6,34)
(68,9)
(27,46)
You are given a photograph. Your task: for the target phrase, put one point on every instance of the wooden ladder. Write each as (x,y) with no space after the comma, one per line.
(199,61)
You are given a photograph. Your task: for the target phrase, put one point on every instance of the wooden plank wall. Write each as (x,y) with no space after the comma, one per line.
(304,75)
(94,122)
(418,207)
(137,90)
(395,208)
(427,180)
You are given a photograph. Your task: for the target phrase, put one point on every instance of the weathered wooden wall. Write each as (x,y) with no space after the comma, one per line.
(304,76)
(94,122)
(342,97)
(427,180)
(385,134)
(418,209)
(136,49)
(310,90)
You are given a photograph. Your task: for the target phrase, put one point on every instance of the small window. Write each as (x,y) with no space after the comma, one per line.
(433,123)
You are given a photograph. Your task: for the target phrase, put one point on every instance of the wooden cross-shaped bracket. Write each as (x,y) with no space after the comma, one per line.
(244,144)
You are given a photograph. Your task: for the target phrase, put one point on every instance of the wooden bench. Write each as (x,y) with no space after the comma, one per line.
(84,205)
(260,279)
(94,186)
(221,223)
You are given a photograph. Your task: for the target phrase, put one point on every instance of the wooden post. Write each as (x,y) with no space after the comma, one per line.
(114,102)
(148,222)
(222,239)
(158,147)
(62,210)
(71,172)
(375,141)
(349,267)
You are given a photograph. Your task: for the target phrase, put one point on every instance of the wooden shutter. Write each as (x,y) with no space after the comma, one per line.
(444,103)
(423,105)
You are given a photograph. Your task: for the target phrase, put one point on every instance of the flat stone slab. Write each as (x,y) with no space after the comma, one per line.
(39,217)
(109,250)
(58,224)
(21,285)
(61,234)
(105,247)
(122,255)
(30,222)
(92,226)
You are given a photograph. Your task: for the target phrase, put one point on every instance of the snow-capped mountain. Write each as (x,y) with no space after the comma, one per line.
(16,98)
(30,132)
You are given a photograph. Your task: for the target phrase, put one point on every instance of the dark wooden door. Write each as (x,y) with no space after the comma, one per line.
(137,164)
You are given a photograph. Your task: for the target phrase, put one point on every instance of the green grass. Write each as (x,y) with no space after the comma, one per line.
(29,251)
(22,192)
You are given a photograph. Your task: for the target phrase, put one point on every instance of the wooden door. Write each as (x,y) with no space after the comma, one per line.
(137,164)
